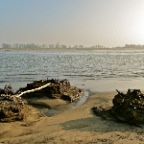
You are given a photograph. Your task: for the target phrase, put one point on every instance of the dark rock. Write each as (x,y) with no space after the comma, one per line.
(127,108)
(13,111)
(15,108)
(60,89)
(7,90)
(2,91)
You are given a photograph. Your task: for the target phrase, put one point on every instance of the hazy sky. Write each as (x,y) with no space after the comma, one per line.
(88,22)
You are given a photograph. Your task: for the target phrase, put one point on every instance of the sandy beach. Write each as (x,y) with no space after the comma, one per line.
(76,125)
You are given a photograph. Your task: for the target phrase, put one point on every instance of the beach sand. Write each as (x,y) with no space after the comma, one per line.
(74,126)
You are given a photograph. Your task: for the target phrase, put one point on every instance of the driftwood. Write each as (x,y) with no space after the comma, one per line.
(33,90)
(16,96)
(58,89)
(14,108)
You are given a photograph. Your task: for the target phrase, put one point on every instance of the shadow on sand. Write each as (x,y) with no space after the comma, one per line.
(97,124)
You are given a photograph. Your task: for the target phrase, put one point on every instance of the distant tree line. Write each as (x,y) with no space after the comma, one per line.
(57,45)
(17,45)
(133,46)
(29,45)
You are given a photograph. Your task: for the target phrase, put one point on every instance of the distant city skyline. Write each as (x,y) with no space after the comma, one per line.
(110,23)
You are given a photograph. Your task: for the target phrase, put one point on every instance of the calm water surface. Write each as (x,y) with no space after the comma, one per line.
(27,66)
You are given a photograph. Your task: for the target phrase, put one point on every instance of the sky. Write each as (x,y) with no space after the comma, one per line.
(72,22)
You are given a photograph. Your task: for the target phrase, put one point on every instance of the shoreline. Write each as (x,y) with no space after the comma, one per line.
(66,49)
(98,85)
(77,125)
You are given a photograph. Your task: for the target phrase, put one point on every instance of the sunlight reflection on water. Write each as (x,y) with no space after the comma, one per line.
(27,66)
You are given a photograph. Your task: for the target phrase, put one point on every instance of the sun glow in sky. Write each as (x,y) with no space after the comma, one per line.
(88,22)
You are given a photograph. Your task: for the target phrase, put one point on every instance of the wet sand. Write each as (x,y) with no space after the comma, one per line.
(108,85)
(103,85)
(74,126)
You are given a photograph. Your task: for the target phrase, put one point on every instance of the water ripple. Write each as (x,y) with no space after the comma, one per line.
(34,65)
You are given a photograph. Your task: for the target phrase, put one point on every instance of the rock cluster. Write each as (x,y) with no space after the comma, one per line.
(60,89)
(11,107)
(127,108)
(14,106)
(13,111)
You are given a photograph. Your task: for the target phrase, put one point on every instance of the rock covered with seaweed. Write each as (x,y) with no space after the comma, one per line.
(127,107)
(58,89)
(13,110)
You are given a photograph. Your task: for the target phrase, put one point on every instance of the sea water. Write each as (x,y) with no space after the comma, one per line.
(93,69)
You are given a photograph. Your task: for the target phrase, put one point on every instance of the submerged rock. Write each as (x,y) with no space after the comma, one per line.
(127,107)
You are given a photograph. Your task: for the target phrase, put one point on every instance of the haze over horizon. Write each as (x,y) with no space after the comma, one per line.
(88,22)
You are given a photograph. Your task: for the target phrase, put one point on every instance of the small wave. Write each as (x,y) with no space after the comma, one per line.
(79,75)
(25,74)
